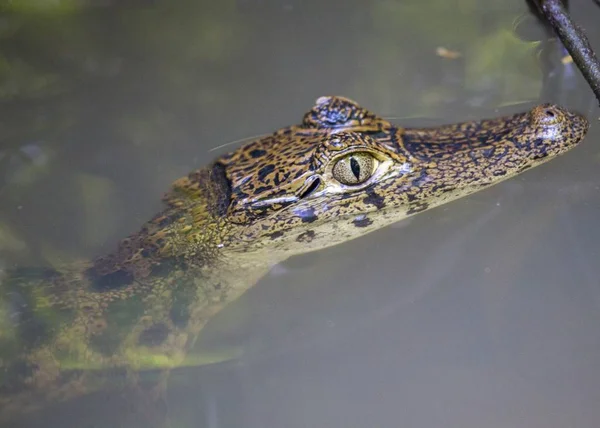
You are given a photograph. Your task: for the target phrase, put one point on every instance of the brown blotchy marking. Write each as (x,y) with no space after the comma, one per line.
(374,198)
(256,153)
(276,235)
(154,335)
(262,189)
(307,236)
(264,171)
(362,222)
(110,281)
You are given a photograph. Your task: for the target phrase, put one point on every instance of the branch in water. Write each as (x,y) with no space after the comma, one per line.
(574,39)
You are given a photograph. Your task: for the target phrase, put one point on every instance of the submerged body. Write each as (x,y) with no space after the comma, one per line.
(342,173)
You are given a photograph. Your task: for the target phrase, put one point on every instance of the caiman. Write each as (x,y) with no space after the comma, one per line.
(343,172)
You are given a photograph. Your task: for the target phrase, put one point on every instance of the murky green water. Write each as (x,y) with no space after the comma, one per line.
(481,313)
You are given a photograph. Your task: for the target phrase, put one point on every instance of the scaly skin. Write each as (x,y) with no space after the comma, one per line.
(143,306)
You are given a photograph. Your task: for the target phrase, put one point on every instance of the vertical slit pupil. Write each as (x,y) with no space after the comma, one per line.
(355,166)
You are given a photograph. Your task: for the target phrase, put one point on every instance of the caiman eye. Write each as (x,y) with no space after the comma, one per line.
(355,168)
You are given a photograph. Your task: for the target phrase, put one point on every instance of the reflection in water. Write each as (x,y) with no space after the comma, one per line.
(470,316)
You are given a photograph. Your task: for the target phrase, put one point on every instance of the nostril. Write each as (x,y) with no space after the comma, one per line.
(550,113)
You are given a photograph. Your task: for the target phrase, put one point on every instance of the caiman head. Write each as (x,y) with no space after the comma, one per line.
(345,172)
(340,174)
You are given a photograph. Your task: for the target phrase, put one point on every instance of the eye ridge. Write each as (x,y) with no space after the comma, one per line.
(314,185)
(355,167)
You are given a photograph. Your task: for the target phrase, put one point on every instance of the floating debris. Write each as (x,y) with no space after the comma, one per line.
(567,59)
(447,53)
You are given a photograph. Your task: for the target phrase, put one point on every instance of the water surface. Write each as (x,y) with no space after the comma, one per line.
(483,312)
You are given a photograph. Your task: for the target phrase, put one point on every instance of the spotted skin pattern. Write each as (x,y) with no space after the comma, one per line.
(223,227)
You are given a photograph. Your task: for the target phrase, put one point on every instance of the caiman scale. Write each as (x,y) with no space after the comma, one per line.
(341,173)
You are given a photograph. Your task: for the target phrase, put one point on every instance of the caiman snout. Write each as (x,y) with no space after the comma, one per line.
(474,155)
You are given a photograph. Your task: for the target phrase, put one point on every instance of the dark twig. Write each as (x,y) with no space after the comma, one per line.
(574,39)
